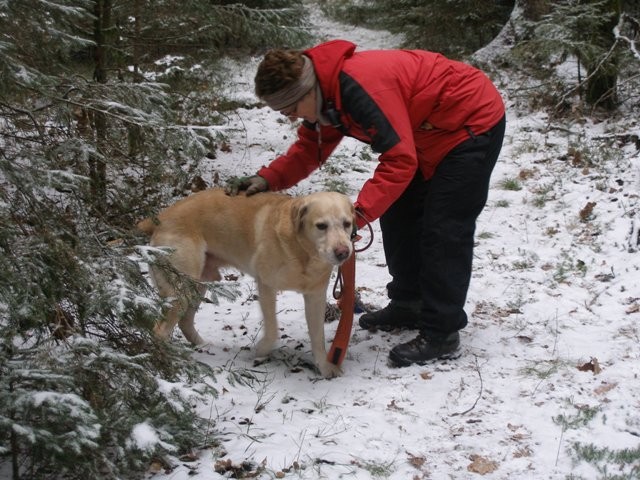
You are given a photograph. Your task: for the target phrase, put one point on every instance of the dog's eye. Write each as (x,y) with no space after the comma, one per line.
(347,225)
(321,226)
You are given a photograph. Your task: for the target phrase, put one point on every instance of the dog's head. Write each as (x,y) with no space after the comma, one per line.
(326,220)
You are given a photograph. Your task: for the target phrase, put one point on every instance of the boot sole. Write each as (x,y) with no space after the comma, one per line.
(388,328)
(396,361)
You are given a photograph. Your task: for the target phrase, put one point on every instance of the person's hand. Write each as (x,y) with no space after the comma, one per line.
(354,231)
(251,185)
(354,228)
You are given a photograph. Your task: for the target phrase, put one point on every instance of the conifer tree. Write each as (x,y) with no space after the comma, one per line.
(86,150)
(540,35)
(585,31)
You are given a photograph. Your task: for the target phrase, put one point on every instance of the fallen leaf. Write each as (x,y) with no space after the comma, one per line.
(587,212)
(189,457)
(604,388)
(635,308)
(393,406)
(156,466)
(591,366)
(522,452)
(198,184)
(482,465)
(415,461)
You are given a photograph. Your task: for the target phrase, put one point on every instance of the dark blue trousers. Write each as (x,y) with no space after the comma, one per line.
(428,233)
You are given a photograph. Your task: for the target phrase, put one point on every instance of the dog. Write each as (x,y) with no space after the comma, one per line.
(283,242)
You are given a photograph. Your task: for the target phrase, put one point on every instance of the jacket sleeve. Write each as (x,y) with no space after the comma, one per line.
(395,170)
(385,116)
(302,158)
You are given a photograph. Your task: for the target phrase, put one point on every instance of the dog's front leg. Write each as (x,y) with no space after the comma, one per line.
(188,328)
(267,299)
(315,305)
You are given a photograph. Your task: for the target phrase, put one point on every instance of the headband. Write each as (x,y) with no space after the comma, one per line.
(293,92)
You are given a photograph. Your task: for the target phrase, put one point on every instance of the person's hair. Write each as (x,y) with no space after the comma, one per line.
(277,70)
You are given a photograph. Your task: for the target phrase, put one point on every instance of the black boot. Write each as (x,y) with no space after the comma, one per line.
(426,346)
(397,315)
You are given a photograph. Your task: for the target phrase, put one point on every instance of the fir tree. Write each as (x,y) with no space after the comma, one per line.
(585,31)
(88,146)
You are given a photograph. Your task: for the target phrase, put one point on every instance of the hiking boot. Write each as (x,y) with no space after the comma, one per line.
(397,315)
(426,346)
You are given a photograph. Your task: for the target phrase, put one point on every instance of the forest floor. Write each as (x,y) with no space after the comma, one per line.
(547,384)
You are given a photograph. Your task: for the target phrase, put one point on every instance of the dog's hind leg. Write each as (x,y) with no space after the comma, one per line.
(267,298)
(315,305)
(209,273)
(164,328)
(189,259)
(186,322)
(182,313)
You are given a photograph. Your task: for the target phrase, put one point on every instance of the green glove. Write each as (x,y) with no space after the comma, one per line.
(251,185)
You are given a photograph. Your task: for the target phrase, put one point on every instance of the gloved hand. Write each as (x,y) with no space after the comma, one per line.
(354,228)
(251,185)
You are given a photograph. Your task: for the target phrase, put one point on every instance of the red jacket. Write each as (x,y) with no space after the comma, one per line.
(411,106)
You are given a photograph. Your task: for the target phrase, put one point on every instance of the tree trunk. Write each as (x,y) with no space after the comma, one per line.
(534,9)
(134,132)
(602,77)
(97,165)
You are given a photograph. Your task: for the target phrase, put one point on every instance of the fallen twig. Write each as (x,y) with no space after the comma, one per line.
(479,394)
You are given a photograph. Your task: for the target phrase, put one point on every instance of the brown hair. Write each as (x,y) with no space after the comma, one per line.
(277,70)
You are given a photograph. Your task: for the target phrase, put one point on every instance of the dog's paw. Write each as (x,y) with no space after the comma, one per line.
(201,342)
(329,370)
(205,347)
(264,347)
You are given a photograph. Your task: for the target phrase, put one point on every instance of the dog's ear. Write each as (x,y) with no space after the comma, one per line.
(298,212)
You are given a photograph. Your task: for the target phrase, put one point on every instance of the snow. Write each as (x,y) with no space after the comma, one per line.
(145,437)
(550,356)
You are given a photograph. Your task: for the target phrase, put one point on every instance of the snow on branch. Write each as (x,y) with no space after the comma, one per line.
(619,37)
(634,25)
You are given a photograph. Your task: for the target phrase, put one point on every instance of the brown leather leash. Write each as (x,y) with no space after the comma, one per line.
(346,302)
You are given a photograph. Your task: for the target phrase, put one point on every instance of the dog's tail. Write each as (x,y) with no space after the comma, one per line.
(146,226)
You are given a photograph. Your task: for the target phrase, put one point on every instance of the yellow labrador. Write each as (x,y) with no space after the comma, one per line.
(285,243)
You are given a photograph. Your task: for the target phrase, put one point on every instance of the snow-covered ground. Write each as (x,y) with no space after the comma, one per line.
(551,355)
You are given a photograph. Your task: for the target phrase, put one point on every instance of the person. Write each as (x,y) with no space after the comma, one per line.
(438,127)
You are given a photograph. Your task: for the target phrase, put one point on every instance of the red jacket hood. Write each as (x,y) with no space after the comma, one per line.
(328,59)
